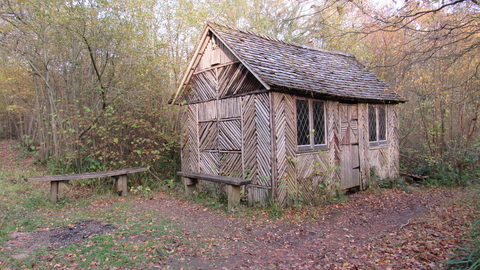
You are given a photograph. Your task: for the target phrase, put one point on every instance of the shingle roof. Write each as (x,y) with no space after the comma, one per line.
(290,66)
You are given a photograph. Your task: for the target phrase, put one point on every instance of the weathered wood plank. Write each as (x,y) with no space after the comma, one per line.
(233,196)
(216,178)
(53,191)
(88,175)
(190,185)
(61,189)
(285,130)
(122,179)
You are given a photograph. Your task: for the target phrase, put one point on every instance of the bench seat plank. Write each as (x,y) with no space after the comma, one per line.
(88,175)
(216,178)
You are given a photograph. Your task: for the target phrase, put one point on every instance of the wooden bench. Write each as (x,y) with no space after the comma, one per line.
(57,182)
(233,185)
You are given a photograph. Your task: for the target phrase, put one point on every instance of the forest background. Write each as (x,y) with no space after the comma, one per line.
(85,84)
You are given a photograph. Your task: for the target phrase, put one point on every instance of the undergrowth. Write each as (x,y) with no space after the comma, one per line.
(468,255)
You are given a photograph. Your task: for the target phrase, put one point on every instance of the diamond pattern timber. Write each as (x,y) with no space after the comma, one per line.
(393,140)
(312,170)
(363,145)
(209,162)
(249,136)
(284,108)
(257,146)
(264,148)
(333,131)
(203,86)
(236,79)
(379,159)
(230,135)
(208,135)
(231,164)
(189,146)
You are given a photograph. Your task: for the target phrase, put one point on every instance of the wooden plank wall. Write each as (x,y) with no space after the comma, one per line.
(285,146)
(363,145)
(230,137)
(333,130)
(313,170)
(190,147)
(257,147)
(255,135)
(215,53)
(385,159)
(394,169)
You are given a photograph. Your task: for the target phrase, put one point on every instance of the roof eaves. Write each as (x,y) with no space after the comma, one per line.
(191,66)
(330,96)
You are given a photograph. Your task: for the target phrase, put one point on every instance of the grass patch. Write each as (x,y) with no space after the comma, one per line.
(468,254)
(140,237)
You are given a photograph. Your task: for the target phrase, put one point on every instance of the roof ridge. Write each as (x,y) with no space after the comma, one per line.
(279,40)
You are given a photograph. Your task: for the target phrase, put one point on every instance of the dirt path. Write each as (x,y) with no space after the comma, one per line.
(382,229)
(350,235)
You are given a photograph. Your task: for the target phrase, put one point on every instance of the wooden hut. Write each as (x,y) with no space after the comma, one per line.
(296,121)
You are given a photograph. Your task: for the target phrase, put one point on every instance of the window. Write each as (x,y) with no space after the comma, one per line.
(310,125)
(377,125)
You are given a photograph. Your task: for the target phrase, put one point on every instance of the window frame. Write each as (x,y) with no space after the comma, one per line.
(378,141)
(311,123)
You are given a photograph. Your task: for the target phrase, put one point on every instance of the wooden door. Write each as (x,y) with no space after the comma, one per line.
(349,157)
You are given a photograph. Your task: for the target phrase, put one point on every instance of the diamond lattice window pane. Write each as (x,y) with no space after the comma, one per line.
(319,122)
(372,124)
(302,122)
(382,124)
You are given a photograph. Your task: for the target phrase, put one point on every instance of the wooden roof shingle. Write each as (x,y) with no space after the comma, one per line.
(287,66)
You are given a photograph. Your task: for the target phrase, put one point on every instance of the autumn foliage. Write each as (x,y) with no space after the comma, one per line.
(86,84)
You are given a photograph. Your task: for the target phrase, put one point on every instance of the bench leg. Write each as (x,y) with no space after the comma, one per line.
(61,189)
(190,185)
(53,191)
(122,185)
(233,197)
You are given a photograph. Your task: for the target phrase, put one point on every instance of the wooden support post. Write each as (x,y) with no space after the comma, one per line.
(122,184)
(53,191)
(233,197)
(190,185)
(61,189)
(118,185)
